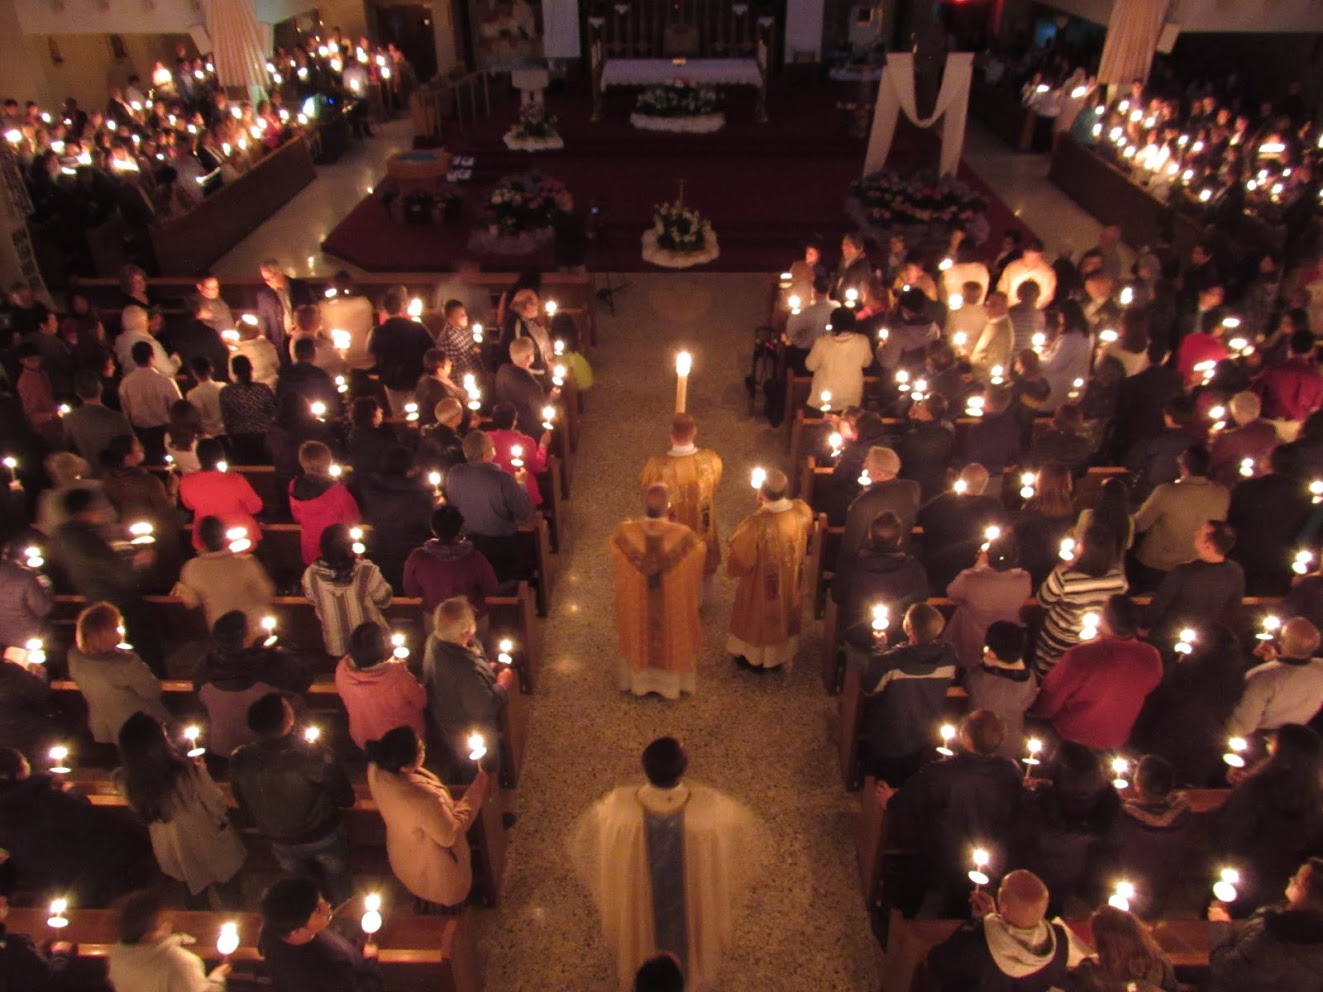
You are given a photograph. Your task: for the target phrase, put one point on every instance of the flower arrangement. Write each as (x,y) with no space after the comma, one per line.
(677,99)
(535,130)
(523,203)
(679,228)
(892,201)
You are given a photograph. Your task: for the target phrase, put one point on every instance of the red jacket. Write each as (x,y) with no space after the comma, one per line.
(1291,391)
(534,457)
(379,699)
(315,511)
(1094,693)
(227,495)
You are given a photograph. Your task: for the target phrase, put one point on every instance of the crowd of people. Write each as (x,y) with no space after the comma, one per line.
(163,143)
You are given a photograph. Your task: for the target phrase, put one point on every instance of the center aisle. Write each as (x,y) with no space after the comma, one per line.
(765,740)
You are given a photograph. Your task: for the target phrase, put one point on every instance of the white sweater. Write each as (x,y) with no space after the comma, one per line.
(162,966)
(837,362)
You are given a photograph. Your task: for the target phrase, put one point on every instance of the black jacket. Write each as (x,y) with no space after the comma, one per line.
(522,389)
(925,454)
(965,963)
(309,382)
(399,510)
(870,577)
(463,693)
(1274,950)
(194,339)
(294,791)
(953,526)
(271,315)
(908,688)
(440,448)
(397,346)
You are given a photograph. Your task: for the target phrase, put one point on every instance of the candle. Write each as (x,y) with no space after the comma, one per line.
(434,479)
(824,400)
(1224,889)
(33,555)
(318,409)
(558,375)
(1246,468)
(974,406)
(517,456)
(505,651)
(411,412)
(1127,297)
(477,746)
(477,334)
(944,264)
(222,466)
(835,442)
(123,644)
(1235,753)
(35,651)
(977,875)
(64,410)
(1034,746)
(59,754)
(903,381)
(1217,413)
(312,734)
(400,650)
(1185,642)
(57,920)
(1066,552)
(1038,342)
(998,375)
(865,480)
(794,302)
(683,363)
(141,533)
(947,733)
(335,471)
(757,477)
(959,487)
(371,921)
(990,534)
(1271,624)
(249,319)
(1120,768)
(1089,626)
(955,301)
(551,308)
(238,538)
(227,941)
(1303,559)
(1316,491)
(1121,896)
(785,280)
(881,618)
(269,625)
(558,347)
(1028,484)
(852,297)
(415,308)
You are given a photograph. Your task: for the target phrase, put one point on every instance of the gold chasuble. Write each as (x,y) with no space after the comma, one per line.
(692,476)
(658,568)
(766,555)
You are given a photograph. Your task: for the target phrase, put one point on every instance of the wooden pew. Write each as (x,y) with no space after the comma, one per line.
(574,294)
(511,617)
(366,830)
(416,953)
(853,702)
(909,941)
(876,837)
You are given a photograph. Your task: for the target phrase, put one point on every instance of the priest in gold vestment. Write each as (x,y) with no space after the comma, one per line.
(658,567)
(766,555)
(692,474)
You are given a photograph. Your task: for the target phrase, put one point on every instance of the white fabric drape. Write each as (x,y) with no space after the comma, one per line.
(1132,37)
(237,44)
(895,94)
(560,29)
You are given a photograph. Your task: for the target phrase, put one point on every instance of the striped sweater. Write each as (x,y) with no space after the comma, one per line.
(1067,595)
(342,607)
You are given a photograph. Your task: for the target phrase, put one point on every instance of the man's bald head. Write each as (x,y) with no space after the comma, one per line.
(775,486)
(1022,899)
(656,501)
(975,478)
(882,464)
(1299,638)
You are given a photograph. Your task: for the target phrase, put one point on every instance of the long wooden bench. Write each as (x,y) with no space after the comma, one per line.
(878,837)
(574,294)
(415,953)
(909,941)
(366,830)
(297,624)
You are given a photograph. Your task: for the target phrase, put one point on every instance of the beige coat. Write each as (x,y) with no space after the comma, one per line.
(425,833)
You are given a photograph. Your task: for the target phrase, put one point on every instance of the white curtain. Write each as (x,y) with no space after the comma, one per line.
(895,94)
(1132,37)
(238,44)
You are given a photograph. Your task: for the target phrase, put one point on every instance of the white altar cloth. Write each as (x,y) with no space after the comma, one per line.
(703,72)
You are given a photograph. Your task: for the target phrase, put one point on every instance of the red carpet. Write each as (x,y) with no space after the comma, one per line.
(764,188)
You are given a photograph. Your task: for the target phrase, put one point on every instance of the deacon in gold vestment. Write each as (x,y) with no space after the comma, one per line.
(766,555)
(692,475)
(658,567)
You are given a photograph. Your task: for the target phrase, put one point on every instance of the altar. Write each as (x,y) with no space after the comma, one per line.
(732,48)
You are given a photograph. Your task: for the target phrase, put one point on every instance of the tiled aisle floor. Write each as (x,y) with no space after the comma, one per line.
(767,741)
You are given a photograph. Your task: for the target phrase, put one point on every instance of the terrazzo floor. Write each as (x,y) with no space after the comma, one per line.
(763,739)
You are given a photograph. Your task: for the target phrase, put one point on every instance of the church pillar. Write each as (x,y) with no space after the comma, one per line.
(443,32)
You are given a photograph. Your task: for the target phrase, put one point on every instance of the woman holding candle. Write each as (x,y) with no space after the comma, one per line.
(149,956)
(114,681)
(345,589)
(1127,957)
(1273,816)
(378,690)
(228,496)
(1073,589)
(318,500)
(425,826)
(1044,519)
(186,814)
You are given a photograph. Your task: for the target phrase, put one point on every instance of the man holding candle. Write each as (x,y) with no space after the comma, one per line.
(1287,687)
(294,791)
(299,949)
(465,696)
(657,566)
(884,491)
(691,476)
(767,557)
(1279,947)
(517,385)
(397,345)
(1198,592)
(493,503)
(1009,945)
